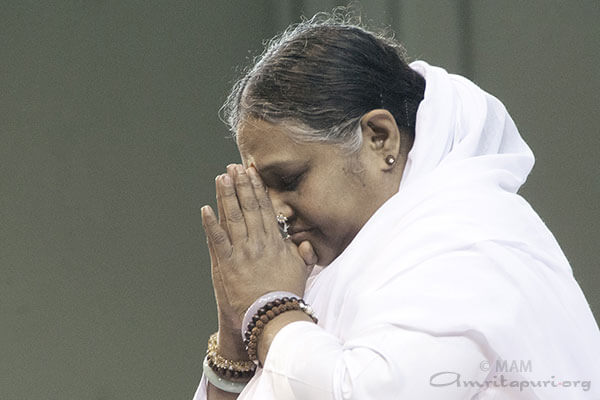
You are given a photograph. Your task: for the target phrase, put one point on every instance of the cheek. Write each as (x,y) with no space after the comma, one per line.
(331,239)
(331,203)
(333,217)
(321,206)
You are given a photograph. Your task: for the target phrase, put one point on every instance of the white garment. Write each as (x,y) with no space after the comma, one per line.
(454,274)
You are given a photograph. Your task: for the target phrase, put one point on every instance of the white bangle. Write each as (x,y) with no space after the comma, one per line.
(221,383)
(258,304)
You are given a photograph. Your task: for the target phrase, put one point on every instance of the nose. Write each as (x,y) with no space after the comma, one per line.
(280,204)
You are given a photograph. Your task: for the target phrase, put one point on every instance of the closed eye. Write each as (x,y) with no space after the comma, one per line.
(284,175)
(290,183)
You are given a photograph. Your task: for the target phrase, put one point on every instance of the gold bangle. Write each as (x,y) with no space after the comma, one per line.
(224,367)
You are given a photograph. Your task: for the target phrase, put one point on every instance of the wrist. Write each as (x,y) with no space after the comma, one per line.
(271,317)
(228,374)
(274,326)
(231,345)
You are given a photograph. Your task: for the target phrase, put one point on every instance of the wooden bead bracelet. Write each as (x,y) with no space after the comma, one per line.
(266,314)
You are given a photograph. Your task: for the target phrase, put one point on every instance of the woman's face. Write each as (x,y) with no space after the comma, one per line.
(326,199)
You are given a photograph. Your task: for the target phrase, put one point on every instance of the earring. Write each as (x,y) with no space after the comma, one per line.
(390,160)
(283,226)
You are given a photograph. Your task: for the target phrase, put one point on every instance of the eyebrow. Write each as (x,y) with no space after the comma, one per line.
(278,166)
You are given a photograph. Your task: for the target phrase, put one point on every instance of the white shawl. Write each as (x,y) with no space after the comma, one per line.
(456,252)
(417,263)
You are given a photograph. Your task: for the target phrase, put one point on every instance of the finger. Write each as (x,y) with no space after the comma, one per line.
(236,225)
(211,251)
(222,219)
(216,236)
(217,280)
(307,253)
(214,267)
(248,203)
(267,212)
(214,270)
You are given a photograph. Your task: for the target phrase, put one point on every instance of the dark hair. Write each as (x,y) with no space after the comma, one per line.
(321,76)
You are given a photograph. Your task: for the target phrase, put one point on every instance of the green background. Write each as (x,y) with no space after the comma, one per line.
(110,141)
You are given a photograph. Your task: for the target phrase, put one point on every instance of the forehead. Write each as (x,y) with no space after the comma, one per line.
(262,143)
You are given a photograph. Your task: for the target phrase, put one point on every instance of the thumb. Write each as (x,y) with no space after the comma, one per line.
(307,253)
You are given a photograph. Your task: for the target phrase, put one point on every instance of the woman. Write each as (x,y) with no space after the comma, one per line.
(384,195)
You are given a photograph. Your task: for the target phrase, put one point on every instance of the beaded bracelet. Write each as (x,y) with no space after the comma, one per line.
(267,313)
(260,303)
(219,382)
(227,368)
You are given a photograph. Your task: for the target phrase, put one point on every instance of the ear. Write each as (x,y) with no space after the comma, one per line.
(381,137)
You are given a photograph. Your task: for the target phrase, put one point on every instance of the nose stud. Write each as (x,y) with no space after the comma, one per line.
(283,226)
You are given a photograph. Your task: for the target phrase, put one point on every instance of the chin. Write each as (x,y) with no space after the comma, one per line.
(327,254)
(325,250)
(324,256)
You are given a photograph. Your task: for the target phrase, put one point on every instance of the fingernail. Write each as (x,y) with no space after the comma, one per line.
(239,169)
(226,180)
(252,172)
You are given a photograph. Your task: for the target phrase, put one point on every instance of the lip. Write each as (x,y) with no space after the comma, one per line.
(298,236)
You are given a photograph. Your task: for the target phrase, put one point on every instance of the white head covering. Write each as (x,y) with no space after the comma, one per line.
(457,252)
